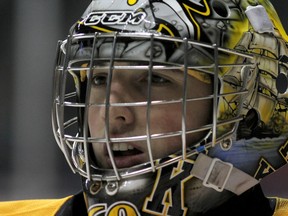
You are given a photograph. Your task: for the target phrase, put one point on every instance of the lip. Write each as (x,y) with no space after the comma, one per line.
(126,161)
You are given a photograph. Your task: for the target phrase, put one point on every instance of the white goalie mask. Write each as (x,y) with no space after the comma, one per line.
(141,86)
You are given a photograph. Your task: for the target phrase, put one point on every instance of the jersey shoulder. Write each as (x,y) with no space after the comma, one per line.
(281,207)
(32,207)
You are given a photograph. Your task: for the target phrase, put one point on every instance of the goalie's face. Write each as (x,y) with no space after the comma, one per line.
(130,120)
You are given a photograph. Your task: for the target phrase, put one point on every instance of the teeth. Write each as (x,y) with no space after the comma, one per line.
(121,147)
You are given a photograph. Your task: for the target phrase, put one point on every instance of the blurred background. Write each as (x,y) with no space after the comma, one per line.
(31,165)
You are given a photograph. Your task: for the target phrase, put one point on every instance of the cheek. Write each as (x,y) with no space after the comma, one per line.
(199,114)
(169,118)
(94,121)
(166,119)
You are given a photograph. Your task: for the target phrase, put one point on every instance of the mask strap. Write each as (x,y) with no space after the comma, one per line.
(221,175)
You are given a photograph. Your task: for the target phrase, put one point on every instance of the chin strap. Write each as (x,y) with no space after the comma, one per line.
(221,175)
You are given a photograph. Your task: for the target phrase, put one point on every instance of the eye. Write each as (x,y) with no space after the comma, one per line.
(99,80)
(158,79)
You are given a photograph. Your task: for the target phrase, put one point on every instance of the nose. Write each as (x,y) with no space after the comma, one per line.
(120,117)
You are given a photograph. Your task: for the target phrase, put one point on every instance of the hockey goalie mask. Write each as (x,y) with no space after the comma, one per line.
(147,86)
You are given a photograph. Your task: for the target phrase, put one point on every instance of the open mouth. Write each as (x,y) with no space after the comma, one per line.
(126,155)
(124,149)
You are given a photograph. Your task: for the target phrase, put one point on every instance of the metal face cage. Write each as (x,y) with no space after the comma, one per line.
(80,55)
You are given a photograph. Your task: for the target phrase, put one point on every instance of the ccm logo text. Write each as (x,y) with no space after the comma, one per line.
(114,18)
